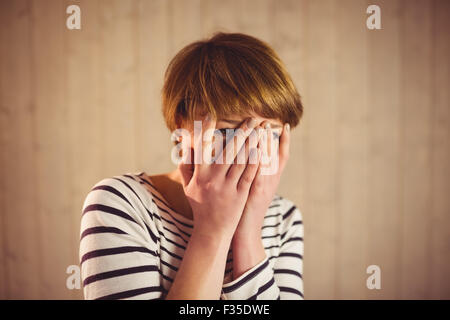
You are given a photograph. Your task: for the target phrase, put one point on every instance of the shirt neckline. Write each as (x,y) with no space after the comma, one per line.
(177,215)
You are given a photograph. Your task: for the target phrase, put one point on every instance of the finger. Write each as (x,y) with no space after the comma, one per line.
(264,142)
(250,171)
(235,143)
(202,143)
(285,140)
(269,138)
(243,156)
(208,144)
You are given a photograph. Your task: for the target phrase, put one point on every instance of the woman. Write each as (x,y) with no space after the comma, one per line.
(208,229)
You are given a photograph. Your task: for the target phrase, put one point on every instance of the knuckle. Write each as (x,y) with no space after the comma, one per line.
(204,181)
(200,180)
(258,185)
(247,179)
(212,187)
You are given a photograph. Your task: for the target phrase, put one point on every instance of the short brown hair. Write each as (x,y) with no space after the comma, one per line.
(230,73)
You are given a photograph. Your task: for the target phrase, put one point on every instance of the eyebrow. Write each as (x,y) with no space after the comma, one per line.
(236,122)
(231,121)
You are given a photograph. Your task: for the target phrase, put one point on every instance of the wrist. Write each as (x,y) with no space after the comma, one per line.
(247,239)
(248,251)
(248,231)
(211,238)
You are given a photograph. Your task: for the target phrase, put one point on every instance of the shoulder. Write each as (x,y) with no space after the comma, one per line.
(123,192)
(288,212)
(122,186)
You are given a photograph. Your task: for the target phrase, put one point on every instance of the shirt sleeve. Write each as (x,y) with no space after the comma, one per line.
(288,266)
(118,249)
(280,279)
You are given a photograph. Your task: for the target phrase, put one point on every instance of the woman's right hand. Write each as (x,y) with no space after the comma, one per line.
(218,192)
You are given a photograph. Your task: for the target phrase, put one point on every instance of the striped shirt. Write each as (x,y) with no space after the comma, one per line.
(132,243)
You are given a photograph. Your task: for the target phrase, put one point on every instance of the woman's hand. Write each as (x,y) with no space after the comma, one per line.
(218,192)
(247,246)
(262,191)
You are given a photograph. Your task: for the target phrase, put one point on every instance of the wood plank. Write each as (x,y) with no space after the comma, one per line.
(84,125)
(51,148)
(221,16)
(320,151)
(440,203)
(152,135)
(416,41)
(185,24)
(20,232)
(352,152)
(255,18)
(118,84)
(290,39)
(5,29)
(383,99)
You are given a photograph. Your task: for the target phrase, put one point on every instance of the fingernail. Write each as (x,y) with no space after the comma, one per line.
(251,123)
(267,126)
(287,127)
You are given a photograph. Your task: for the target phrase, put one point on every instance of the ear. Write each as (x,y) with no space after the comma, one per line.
(178,121)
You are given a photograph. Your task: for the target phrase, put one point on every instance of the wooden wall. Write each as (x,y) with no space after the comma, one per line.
(370,163)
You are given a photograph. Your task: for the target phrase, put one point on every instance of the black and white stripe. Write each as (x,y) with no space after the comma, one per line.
(132,243)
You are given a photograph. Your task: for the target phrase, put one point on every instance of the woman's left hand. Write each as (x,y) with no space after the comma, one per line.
(262,191)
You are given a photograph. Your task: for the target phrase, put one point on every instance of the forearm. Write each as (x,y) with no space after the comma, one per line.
(201,273)
(248,251)
(253,276)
